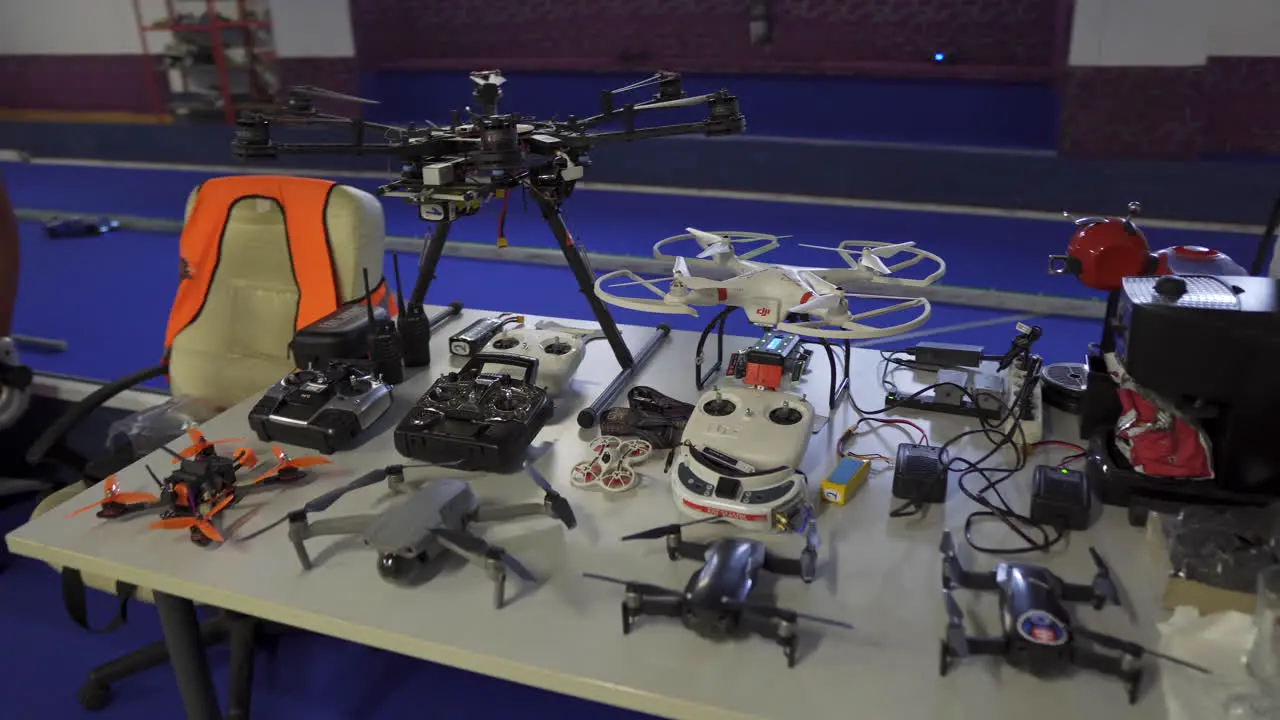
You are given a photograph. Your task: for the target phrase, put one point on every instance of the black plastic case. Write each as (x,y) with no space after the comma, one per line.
(340,335)
(470,443)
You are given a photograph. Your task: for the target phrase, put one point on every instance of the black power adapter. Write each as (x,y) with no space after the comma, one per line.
(1060,498)
(919,478)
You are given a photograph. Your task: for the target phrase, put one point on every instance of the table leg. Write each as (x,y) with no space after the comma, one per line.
(186,654)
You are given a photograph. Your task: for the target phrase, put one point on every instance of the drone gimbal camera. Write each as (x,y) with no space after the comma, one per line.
(450,172)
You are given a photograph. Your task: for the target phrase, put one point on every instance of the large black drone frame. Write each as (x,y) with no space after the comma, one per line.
(450,172)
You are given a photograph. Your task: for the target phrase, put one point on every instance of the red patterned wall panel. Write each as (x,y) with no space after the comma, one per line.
(1133,112)
(705,35)
(1242,105)
(87,83)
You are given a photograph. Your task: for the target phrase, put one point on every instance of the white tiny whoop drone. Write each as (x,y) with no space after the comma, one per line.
(611,467)
(773,295)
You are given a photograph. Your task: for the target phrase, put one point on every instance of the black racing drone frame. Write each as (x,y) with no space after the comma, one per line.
(838,389)
(492,156)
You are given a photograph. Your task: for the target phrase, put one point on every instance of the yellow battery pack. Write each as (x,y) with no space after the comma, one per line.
(844,480)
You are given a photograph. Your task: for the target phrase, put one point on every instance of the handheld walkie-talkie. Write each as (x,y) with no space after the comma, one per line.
(414,325)
(384,343)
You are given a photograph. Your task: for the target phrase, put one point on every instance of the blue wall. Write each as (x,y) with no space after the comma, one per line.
(984,114)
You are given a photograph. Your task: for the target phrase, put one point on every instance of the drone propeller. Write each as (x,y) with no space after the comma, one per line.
(775,612)
(560,507)
(957,640)
(199,443)
(633,586)
(712,245)
(488,77)
(319,92)
(870,256)
(1134,649)
(325,501)
(477,546)
(199,522)
(673,529)
(287,463)
(1104,587)
(111,494)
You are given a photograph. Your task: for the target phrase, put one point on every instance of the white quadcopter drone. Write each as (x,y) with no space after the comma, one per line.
(610,467)
(809,302)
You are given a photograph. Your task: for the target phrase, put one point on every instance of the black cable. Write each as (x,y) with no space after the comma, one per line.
(1267,240)
(994,505)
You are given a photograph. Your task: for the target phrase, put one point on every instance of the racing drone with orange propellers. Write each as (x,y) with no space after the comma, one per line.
(203,485)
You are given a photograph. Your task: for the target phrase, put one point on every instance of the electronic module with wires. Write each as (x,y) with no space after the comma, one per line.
(471,339)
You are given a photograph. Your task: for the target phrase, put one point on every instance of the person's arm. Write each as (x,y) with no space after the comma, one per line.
(8,260)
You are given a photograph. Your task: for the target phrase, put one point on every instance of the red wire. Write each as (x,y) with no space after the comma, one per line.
(899,422)
(1059,443)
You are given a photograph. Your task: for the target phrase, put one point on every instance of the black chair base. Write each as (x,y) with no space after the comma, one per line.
(241,632)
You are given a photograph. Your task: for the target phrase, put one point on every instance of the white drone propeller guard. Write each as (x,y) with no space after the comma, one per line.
(853,329)
(766,242)
(852,252)
(655,305)
(610,468)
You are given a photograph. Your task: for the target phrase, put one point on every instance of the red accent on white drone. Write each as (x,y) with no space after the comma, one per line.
(731,514)
(611,467)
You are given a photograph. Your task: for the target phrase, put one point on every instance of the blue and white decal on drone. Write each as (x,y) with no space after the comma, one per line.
(1041,628)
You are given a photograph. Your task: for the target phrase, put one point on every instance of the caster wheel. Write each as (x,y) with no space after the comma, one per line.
(789,650)
(1135,685)
(94,696)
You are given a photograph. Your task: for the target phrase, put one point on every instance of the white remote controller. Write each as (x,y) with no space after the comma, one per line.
(559,350)
(739,458)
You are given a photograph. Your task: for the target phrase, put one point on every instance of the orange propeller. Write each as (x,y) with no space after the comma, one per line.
(111,494)
(245,458)
(199,443)
(201,523)
(288,463)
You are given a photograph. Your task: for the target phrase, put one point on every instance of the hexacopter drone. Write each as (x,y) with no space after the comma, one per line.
(804,301)
(451,171)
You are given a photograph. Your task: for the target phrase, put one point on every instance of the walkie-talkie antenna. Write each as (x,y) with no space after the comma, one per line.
(368,300)
(395,266)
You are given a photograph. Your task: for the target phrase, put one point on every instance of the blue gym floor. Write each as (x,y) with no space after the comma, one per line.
(109,297)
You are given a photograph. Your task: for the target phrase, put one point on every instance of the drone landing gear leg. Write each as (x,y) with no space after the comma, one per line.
(839,378)
(628,364)
(413,323)
(780,630)
(636,605)
(716,324)
(1123,667)
(300,530)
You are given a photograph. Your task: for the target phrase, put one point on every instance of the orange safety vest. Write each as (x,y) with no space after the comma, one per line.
(303,202)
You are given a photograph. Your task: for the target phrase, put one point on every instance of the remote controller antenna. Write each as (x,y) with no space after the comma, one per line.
(395,266)
(384,342)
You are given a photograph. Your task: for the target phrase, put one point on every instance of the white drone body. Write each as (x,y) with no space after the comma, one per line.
(772,295)
(610,467)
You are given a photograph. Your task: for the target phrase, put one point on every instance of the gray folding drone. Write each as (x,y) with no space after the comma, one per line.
(433,518)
